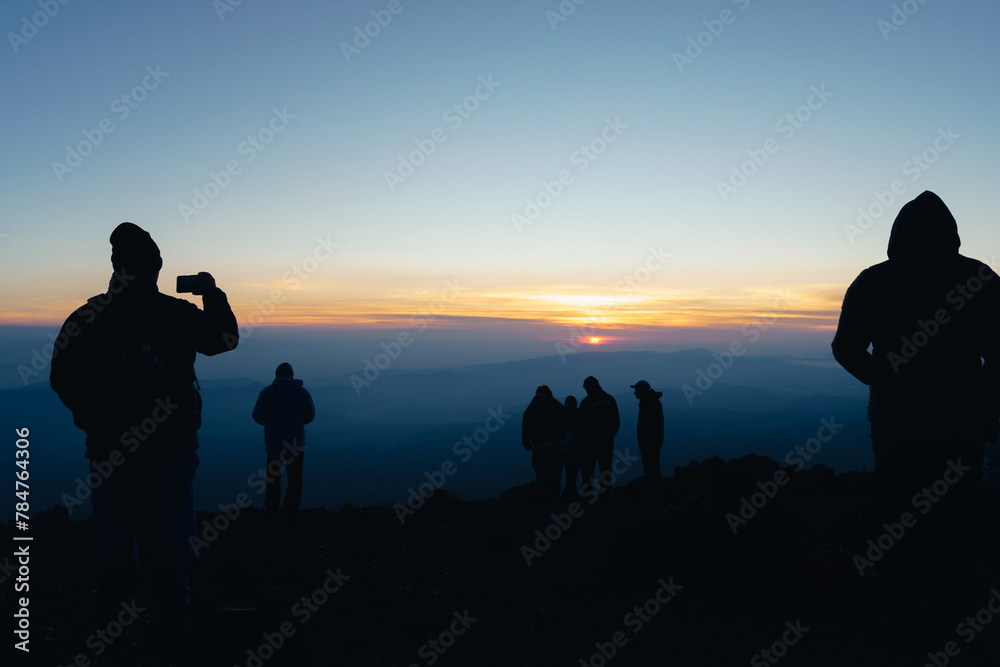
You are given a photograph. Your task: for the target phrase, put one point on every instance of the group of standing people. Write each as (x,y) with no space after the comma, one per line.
(581,439)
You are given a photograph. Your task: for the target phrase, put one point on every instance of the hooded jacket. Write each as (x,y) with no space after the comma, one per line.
(649,429)
(283,408)
(931,317)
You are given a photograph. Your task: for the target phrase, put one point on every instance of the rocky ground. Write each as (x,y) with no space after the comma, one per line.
(651,574)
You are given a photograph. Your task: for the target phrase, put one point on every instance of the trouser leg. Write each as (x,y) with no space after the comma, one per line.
(167,532)
(650,454)
(605,452)
(272,495)
(293,466)
(116,524)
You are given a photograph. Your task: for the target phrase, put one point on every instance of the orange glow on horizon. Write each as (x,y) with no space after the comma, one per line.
(806,307)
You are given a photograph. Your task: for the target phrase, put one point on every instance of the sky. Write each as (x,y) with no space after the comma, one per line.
(634,172)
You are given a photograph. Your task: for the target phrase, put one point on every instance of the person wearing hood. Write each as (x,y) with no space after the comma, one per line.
(649,429)
(284,408)
(932,318)
(124,364)
(542,432)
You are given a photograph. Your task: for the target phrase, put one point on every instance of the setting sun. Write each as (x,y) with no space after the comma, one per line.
(594,340)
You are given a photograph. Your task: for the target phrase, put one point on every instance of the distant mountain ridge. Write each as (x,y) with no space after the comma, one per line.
(370,447)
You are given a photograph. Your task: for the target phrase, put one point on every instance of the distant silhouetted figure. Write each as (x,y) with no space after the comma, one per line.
(649,429)
(597,423)
(542,431)
(571,449)
(283,408)
(932,318)
(127,373)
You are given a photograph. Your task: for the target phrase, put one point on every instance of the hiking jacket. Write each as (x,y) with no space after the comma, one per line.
(597,419)
(283,408)
(649,429)
(932,318)
(124,364)
(542,423)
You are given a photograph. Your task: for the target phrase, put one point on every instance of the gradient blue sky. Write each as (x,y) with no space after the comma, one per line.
(656,186)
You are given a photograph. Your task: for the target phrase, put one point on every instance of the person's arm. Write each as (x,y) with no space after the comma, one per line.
(215,328)
(260,409)
(525,429)
(850,343)
(309,409)
(69,370)
(617,420)
(991,358)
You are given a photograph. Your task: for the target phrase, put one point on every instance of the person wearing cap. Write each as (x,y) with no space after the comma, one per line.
(284,408)
(126,370)
(597,423)
(931,318)
(649,429)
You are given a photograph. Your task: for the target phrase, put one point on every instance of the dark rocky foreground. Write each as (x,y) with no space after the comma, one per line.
(650,575)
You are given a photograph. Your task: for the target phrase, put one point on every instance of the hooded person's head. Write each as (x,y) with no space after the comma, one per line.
(134,253)
(591,385)
(924,225)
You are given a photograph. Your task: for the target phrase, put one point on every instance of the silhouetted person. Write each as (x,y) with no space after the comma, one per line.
(649,429)
(283,408)
(571,449)
(597,423)
(127,373)
(931,318)
(542,431)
